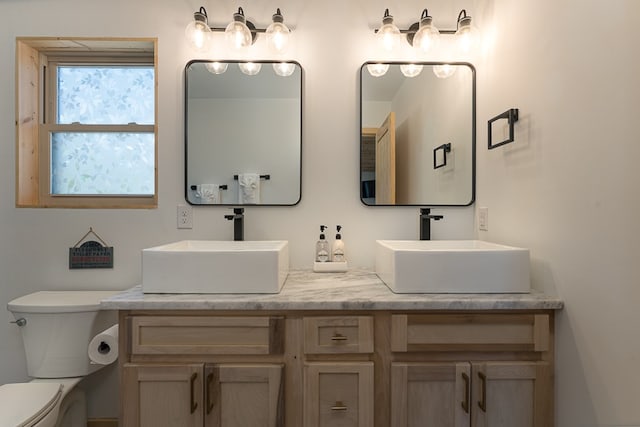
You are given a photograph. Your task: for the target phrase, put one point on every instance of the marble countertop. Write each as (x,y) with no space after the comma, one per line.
(356,289)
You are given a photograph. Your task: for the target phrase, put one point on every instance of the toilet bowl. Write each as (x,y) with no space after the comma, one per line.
(56,328)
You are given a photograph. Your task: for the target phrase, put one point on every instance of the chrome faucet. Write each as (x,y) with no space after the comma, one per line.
(238,223)
(425,223)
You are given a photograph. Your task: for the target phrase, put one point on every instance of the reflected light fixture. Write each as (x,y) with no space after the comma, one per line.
(411,70)
(198,32)
(216,67)
(284,69)
(237,32)
(427,36)
(278,34)
(389,34)
(444,71)
(466,34)
(377,70)
(250,68)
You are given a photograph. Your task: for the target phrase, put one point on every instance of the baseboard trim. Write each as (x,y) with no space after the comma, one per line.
(103,422)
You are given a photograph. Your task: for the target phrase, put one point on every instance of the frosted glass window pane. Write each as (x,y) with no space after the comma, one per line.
(95,163)
(105,94)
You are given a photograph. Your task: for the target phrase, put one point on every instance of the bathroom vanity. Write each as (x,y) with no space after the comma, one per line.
(336,350)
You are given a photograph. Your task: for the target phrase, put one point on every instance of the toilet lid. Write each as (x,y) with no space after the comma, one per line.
(23,404)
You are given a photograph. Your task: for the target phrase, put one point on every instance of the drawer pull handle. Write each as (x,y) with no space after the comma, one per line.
(209,393)
(465,403)
(338,337)
(338,406)
(192,382)
(483,403)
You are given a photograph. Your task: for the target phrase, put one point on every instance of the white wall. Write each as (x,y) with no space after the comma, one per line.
(567,188)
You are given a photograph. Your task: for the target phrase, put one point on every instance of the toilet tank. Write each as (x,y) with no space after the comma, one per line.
(59,326)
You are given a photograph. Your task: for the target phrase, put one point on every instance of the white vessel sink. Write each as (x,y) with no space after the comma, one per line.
(215,267)
(452,266)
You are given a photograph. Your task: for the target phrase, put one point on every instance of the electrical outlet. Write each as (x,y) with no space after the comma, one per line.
(185,216)
(483,219)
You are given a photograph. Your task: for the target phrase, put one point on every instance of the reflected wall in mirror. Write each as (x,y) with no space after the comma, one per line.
(243,133)
(417,141)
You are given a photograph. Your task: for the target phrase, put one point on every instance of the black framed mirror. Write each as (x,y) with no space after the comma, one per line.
(243,133)
(417,134)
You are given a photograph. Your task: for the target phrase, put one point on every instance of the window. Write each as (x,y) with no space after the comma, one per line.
(94,135)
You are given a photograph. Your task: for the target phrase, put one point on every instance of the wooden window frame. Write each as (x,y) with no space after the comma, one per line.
(33,128)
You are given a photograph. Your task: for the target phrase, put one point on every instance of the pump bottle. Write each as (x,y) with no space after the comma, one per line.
(337,250)
(322,247)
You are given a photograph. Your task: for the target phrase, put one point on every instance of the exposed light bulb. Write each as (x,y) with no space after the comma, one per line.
(278,34)
(198,32)
(216,67)
(411,70)
(284,69)
(250,68)
(237,33)
(389,34)
(467,34)
(377,70)
(427,36)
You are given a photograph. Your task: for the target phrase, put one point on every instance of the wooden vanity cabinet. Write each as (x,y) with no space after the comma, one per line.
(376,368)
(494,370)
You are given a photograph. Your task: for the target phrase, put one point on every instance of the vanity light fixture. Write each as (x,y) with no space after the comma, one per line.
(198,32)
(389,34)
(250,68)
(424,36)
(427,36)
(278,34)
(466,34)
(240,33)
(284,69)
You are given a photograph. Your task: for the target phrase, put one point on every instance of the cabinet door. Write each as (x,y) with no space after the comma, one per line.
(162,395)
(511,394)
(430,394)
(338,394)
(244,395)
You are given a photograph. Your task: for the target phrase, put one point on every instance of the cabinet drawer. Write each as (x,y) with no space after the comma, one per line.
(338,334)
(206,335)
(338,394)
(481,332)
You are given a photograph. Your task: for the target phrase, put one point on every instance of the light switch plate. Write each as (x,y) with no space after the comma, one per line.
(483,219)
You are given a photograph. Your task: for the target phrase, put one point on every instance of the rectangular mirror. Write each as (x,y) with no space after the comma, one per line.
(243,133)
(418,136)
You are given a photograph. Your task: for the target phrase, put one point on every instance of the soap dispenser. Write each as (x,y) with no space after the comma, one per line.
(322,247)
(338,247)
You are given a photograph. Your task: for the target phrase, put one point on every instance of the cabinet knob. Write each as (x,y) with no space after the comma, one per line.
(483,402)
(338,406)
(338,337)
(193,404)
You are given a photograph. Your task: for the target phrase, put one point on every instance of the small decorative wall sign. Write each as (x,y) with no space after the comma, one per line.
(91,253)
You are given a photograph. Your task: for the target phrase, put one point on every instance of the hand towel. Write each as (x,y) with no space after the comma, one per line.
(249,188)
(208,193)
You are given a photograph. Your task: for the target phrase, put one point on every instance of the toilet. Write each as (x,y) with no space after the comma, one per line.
(56,328)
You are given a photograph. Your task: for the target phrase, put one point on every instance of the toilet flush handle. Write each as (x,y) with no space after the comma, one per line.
(20,322)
